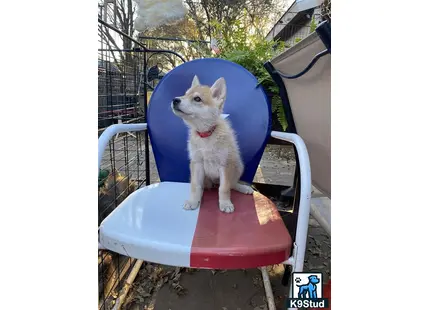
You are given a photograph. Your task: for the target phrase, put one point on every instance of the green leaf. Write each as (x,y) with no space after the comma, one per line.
(281,117)
(278,108)
(251,51)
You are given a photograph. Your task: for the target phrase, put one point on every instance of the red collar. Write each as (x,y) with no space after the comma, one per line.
(206,133)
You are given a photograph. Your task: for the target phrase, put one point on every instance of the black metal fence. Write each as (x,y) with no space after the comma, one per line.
(123,166)
(123,90)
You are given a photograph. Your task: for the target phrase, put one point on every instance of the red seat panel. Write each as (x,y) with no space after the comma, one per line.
(253,235)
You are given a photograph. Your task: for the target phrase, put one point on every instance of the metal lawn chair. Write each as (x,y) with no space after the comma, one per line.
(151,224)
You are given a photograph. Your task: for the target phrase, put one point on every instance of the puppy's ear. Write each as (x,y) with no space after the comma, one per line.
(195,82)
(219,92)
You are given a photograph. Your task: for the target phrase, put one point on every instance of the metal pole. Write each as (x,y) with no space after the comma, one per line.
(138,50)
(145,108)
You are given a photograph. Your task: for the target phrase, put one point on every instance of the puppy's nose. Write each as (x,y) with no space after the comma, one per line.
(176,101)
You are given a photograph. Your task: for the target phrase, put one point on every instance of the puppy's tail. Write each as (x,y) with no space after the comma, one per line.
(243,188)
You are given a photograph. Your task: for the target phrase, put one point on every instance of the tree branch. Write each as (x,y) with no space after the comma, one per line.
(110,40)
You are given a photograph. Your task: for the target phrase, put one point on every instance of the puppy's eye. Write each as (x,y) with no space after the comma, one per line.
(197,99)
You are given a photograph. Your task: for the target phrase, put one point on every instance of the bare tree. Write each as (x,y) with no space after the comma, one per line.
(120,14)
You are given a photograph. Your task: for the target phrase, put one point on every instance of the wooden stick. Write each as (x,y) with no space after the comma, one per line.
(123,294)
(115,280)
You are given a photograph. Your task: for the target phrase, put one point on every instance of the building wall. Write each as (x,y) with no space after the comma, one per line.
(303,31)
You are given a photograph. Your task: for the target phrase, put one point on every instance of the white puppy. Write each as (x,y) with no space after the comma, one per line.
(212,147)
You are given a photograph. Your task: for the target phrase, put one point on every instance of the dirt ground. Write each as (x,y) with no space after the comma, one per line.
(168,288)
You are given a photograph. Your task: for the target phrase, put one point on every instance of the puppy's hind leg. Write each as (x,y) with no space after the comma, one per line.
(243,188)
(197,180)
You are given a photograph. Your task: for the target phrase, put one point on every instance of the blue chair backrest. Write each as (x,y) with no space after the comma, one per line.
(247,104)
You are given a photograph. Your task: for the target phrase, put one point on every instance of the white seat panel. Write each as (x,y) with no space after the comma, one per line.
(152,225)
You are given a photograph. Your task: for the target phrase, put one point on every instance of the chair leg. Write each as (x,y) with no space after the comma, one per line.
(268,289)
(291,266)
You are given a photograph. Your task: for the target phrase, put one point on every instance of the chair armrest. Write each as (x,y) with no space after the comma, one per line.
(305,193)
(112,131)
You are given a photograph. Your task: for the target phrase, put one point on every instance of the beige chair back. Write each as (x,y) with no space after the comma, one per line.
(309,97)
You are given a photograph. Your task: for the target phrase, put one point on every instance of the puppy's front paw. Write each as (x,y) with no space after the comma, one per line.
(226,206)
(191,205)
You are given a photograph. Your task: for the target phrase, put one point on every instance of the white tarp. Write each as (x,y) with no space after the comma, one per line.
(154,13)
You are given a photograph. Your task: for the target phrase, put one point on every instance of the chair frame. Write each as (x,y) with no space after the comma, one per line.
(296,260)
